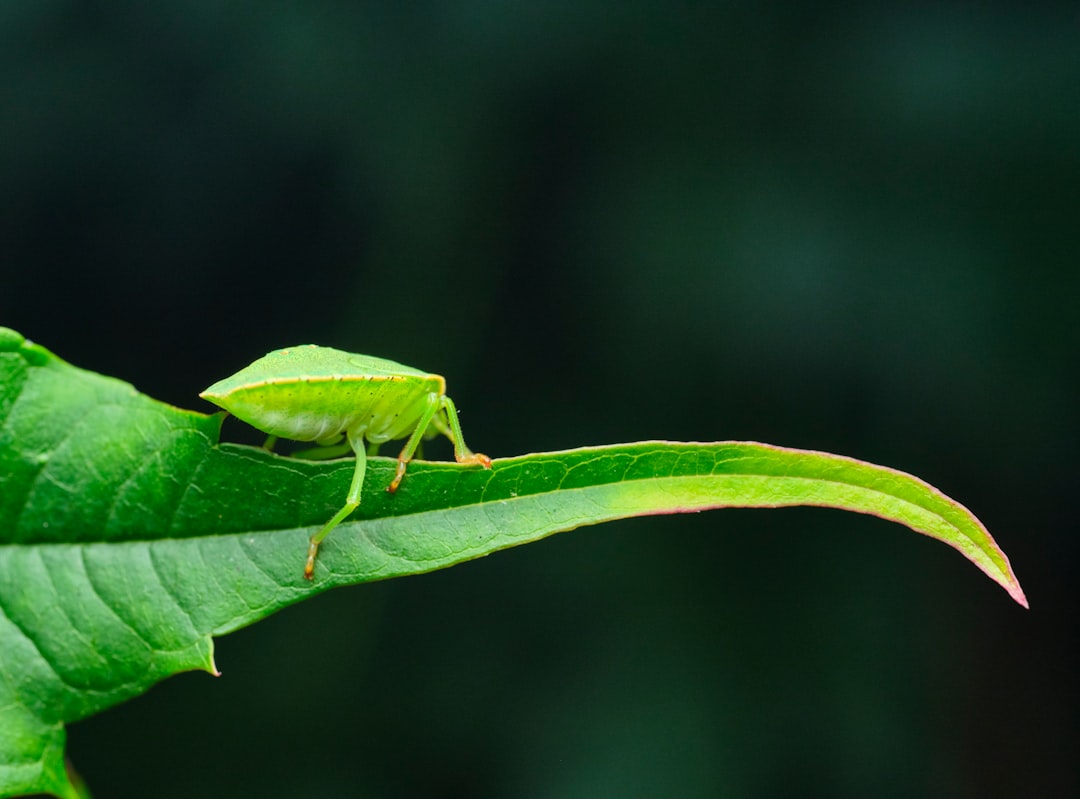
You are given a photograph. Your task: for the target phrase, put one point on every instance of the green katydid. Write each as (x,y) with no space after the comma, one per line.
(338,400)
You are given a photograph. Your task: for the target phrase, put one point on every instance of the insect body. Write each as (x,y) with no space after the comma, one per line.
(339,400)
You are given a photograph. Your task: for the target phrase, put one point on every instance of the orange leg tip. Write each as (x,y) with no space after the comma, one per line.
(477,458)
(309,566)
(399,475)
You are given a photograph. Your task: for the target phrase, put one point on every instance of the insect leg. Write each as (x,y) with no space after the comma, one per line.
(462,454)
(407,452)
(352,501)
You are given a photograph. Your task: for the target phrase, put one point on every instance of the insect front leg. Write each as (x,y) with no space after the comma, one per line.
(462,454)
(352,501)
(430,408)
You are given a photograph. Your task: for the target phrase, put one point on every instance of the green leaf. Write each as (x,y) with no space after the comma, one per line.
(129,537)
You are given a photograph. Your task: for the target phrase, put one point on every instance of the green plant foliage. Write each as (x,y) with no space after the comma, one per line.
(129,537)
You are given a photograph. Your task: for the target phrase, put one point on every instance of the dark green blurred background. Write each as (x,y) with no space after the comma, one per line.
(844,228)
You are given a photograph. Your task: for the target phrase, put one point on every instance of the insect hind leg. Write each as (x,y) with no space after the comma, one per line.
(352,501)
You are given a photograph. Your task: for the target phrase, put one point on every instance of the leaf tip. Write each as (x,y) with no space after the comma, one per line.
(1017,593)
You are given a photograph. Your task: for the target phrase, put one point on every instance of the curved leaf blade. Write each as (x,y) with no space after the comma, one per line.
(129,537)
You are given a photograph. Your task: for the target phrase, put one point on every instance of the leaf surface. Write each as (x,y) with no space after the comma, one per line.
(130,537)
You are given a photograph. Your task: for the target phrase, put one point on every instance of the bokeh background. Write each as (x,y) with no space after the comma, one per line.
(850,227)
